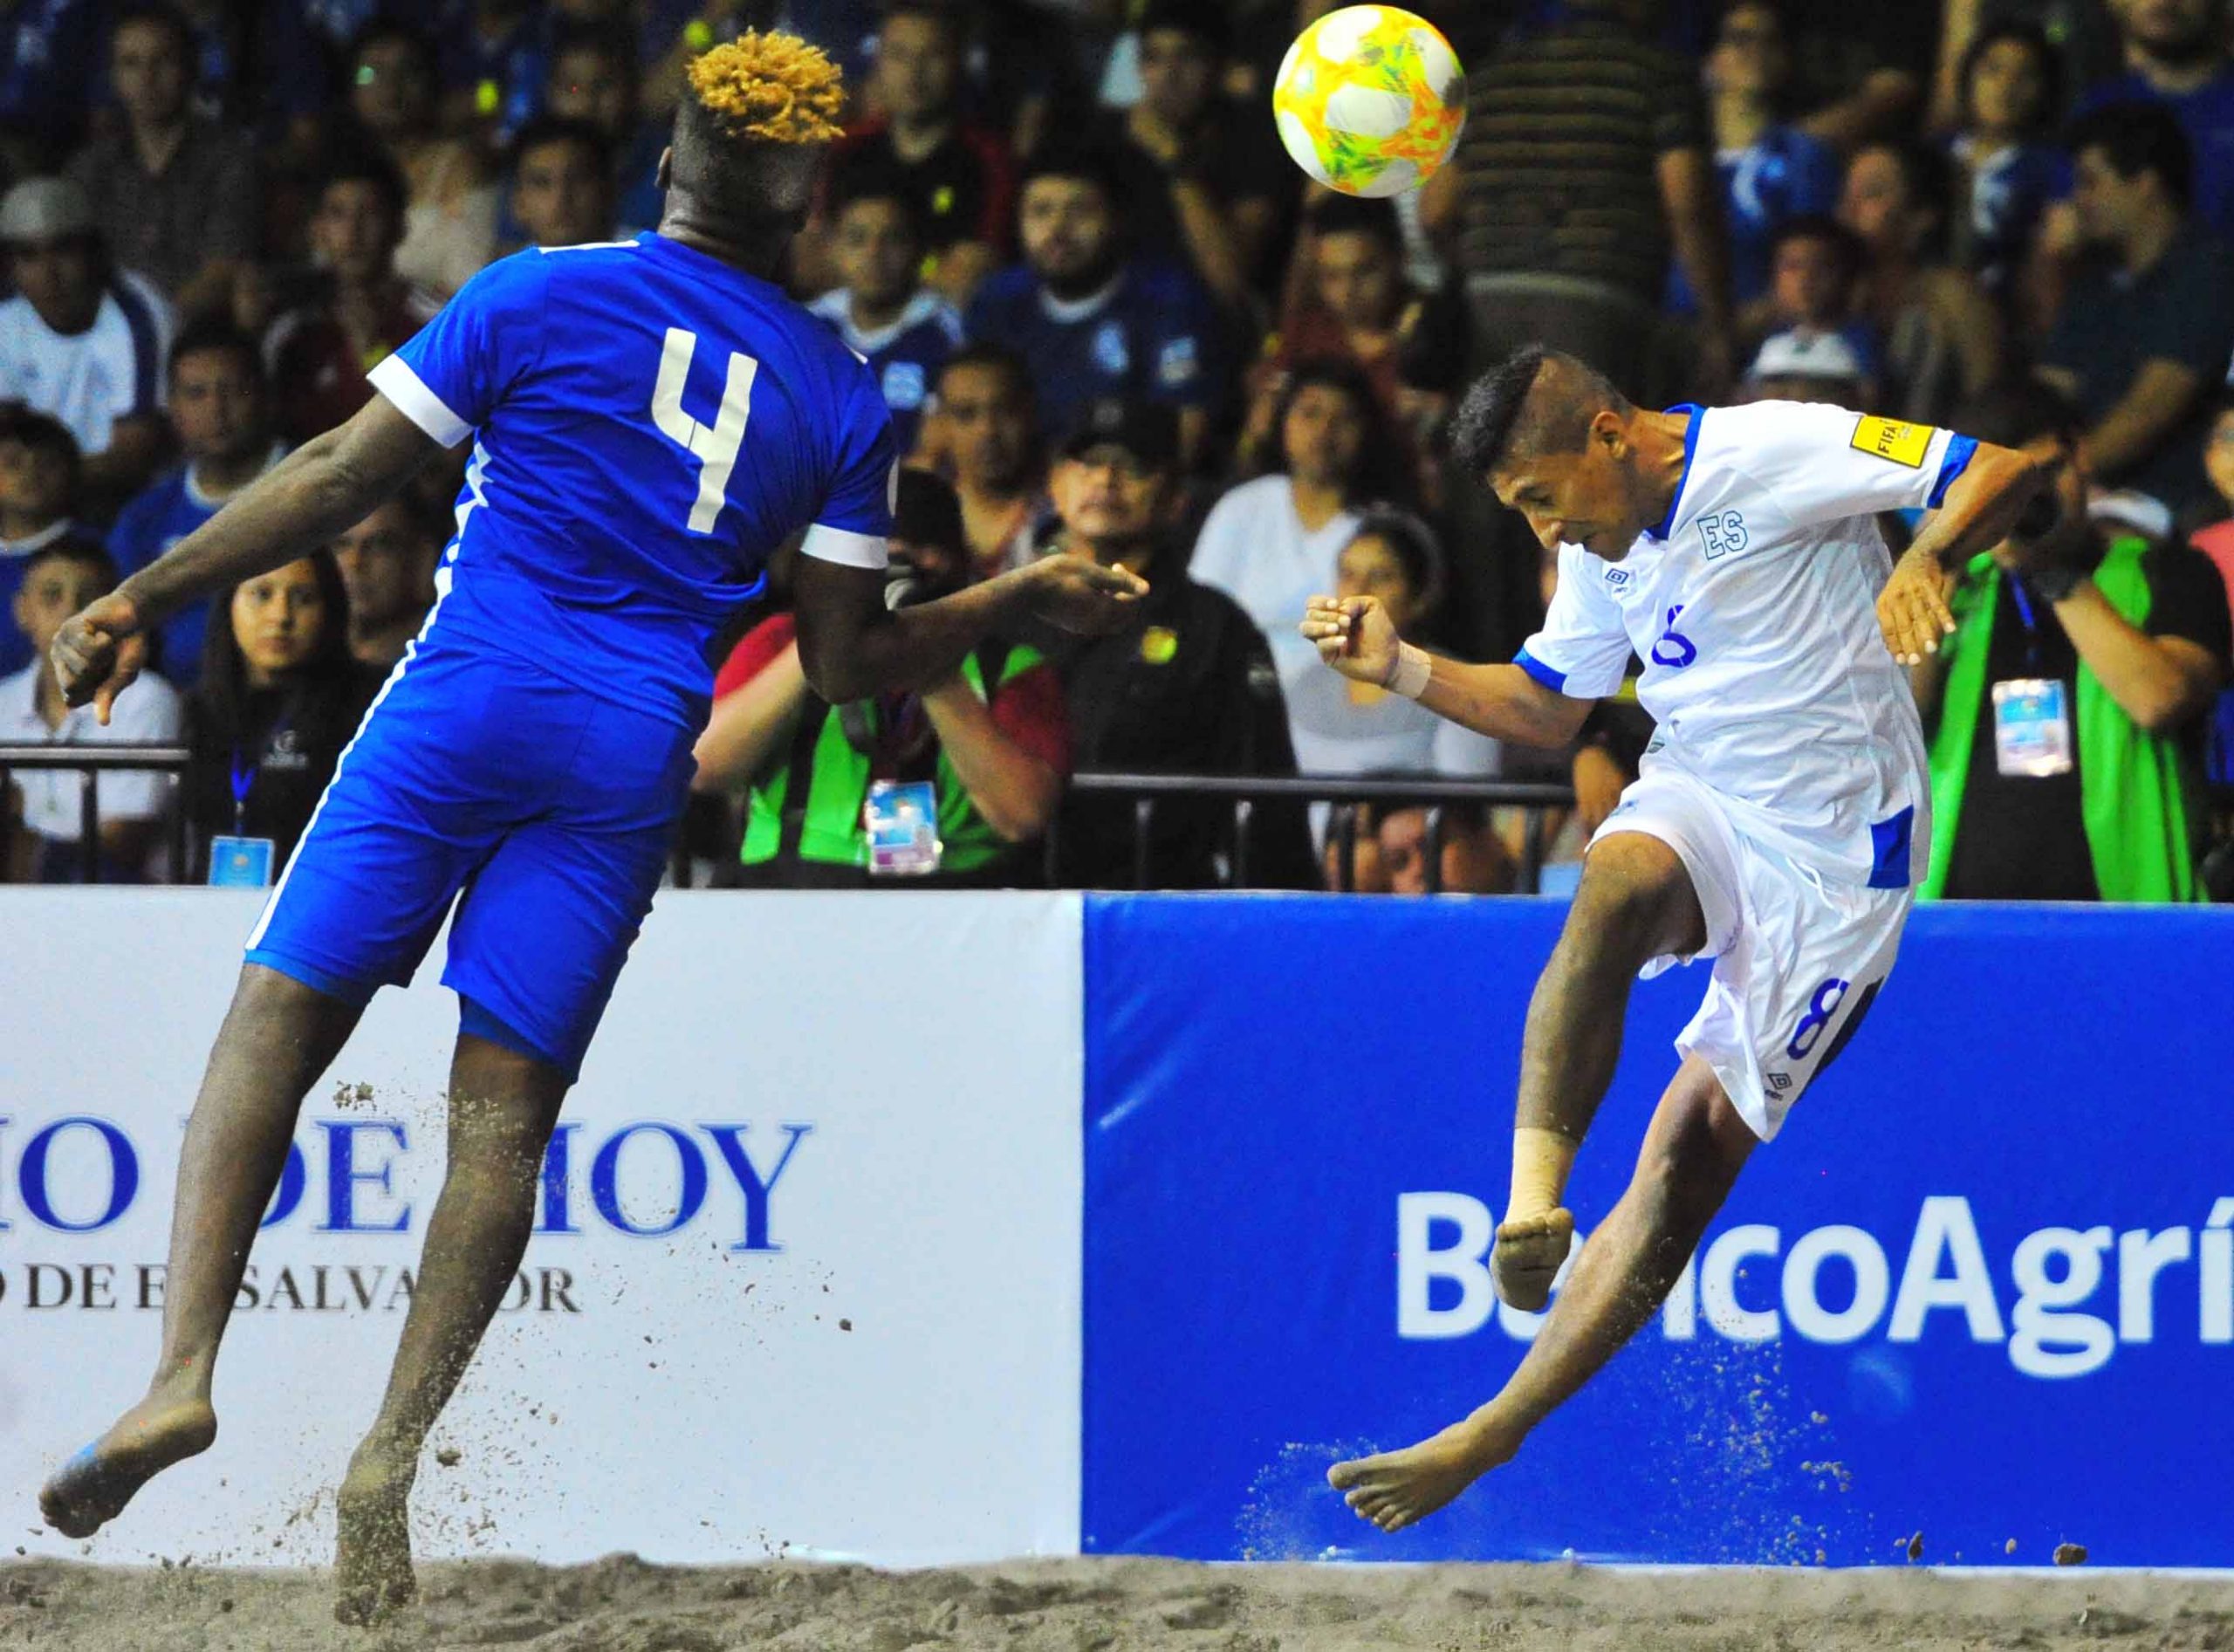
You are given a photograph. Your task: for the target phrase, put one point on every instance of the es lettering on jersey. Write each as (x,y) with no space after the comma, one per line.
(1753,608)
(648,425)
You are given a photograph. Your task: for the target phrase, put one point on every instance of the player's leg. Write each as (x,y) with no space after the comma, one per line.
(358,904)
(503,1104)
(278,1040)
(1637,902)
(536,945)
(1692,1153)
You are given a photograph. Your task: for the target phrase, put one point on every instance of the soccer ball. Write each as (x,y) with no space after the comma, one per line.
(1369,100)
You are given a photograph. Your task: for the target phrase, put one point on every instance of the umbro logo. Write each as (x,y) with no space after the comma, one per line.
(1617,576)
(1780,1081)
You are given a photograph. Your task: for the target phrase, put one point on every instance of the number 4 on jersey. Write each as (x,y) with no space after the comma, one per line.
(713,445)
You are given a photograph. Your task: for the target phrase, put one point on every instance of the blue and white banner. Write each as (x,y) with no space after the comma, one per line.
(1981,1287)
(804,1278)
(922,1228)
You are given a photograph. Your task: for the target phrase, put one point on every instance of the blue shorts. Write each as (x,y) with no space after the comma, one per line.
(552,811)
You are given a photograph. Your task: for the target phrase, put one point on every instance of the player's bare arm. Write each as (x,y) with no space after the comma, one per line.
(853,645)
(1982,509)
(323,487)
(1355,636)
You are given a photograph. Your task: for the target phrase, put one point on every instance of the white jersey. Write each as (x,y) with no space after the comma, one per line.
(89,381)
(1753,608)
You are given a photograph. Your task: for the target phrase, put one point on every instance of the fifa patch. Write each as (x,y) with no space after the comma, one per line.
(1159,645)
(1892,439)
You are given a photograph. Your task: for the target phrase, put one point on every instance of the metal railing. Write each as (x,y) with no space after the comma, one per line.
(1346,793)
(90,762)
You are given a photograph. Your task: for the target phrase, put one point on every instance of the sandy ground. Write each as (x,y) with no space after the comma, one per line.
(623,1605)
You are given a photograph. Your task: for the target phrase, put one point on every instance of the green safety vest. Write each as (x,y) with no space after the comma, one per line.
(2134,797)
(822,822)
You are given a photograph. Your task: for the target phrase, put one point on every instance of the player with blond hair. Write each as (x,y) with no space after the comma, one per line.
(650,420)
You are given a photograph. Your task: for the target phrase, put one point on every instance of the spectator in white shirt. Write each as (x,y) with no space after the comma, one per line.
(1270,543)
(1353,728)
(45,804)
(82,340)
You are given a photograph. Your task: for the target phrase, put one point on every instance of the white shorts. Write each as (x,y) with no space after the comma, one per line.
(1797,958)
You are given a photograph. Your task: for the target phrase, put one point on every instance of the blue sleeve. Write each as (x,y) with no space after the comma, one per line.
(854,523)
(450,376)
(860,496)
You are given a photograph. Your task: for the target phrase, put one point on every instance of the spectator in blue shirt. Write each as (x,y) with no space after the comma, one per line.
(2146,327)
(39,468)
(2012,87)
(1093,323)
(2176,54)
(1771,171)
(883,311)
(221,409)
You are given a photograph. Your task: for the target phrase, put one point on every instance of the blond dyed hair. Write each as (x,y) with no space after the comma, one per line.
(773,87)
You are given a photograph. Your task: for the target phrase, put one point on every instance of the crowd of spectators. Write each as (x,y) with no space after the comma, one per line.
(1110,318)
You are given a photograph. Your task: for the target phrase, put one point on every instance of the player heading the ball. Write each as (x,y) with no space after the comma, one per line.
(1778,824)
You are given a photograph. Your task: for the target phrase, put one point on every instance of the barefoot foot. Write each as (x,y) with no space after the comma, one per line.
(1527,1256)
(1398,1489)
(372,1559)
(91,1488)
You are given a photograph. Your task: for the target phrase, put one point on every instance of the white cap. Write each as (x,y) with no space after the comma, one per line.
(44,210)
(1795,354)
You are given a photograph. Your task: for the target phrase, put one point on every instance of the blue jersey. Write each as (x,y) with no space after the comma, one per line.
(648,424)
(2010,190)
(906,356)
(1781,176)
(156,519)
(1150,335)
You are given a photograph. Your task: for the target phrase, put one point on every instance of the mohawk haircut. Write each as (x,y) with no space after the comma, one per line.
(750,136)
(1537,401)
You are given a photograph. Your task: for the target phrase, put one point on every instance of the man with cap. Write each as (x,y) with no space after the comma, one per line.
(1186,686)
(83,340)
(1803,365)
(948,787)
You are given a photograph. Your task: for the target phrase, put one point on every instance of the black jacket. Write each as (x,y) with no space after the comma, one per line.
(286,743)
(1188,687)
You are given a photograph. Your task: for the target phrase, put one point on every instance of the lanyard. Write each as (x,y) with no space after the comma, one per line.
(243,781)
(2032,622)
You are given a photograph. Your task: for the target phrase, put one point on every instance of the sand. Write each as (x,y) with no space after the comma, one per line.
(623,1605)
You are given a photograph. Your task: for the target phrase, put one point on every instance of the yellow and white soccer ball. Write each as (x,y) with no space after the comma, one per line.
(1369,100)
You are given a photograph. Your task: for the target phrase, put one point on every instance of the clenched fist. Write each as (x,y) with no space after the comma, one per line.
(1354,636)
